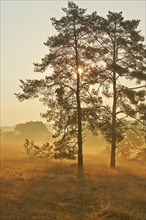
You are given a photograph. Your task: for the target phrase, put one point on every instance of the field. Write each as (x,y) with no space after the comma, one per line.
(50,190)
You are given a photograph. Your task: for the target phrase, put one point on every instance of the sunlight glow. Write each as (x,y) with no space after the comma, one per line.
(80,71)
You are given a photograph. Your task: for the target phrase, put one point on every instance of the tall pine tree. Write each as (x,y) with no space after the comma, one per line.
(65,91)
(123,57)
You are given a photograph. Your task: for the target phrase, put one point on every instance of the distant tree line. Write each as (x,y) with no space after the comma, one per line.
(98,78)
(32,130)
(130,148)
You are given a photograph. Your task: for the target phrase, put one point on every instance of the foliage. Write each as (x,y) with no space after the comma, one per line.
(31,130)
(48,151)
(141,155)
(66,91)
(132,143)
(122,55)
(91,57)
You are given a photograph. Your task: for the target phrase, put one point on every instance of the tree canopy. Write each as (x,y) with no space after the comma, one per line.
(34,130)
(92,59)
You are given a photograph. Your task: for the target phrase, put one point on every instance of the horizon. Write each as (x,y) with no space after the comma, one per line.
(12,126)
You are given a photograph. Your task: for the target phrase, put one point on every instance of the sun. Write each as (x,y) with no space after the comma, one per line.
(80,71)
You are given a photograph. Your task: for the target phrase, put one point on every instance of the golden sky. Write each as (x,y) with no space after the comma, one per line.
(25,25)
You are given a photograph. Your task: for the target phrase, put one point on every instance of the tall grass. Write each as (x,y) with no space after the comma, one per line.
(50,190)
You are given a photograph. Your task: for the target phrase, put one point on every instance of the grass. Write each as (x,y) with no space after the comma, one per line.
(50,190)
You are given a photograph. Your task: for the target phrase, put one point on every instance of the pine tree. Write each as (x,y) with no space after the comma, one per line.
(122,55)
(65,91)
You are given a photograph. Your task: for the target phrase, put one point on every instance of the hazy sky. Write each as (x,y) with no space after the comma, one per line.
(25,25)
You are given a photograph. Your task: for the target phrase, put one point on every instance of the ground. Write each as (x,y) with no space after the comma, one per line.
(50,190)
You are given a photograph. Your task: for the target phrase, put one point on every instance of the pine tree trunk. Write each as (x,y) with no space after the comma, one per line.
(80,154)
(79,114)
(113,145)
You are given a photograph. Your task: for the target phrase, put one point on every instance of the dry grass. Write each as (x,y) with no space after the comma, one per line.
(49,190)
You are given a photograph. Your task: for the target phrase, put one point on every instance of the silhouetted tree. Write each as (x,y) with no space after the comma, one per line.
(48,151)
(141,156)
(122,55)
(33,130)
(90,51)
(65,91)
(132,143)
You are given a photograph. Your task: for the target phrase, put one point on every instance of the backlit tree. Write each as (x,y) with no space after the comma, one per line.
(123,57)
(65,89)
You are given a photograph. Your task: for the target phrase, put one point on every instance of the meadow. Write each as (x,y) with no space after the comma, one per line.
(50,190)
